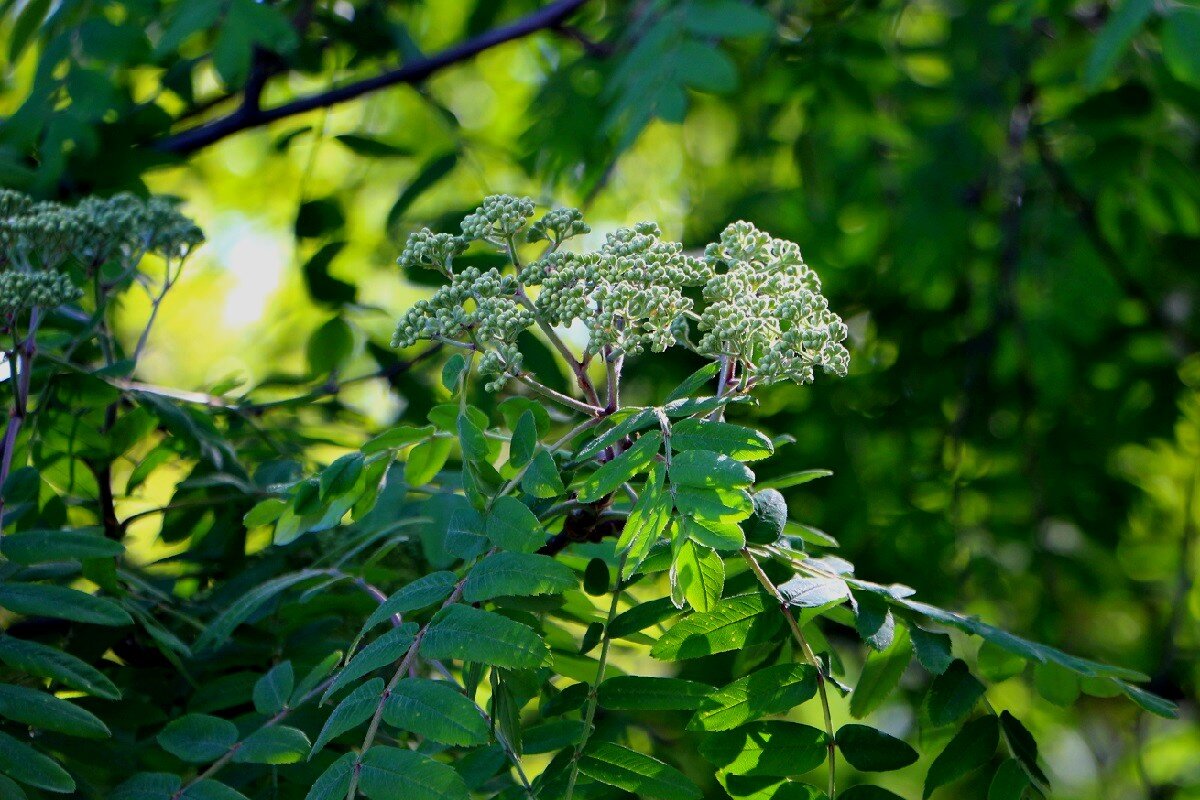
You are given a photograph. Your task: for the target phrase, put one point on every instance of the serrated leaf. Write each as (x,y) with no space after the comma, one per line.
(639,693)
(714,505)
(717,536)
(49,713)
(874,622)
(870,750)
(637,420)
(524,440)
(794,479)
(437,711)
(1009,782)
(772,748)
(880,675)
(953,694)
(1024,749)
(737,622)
(804,592)
(707,469)
(932,649)
(642,616)
(60,602)
(636,772)
(24,764)
(222,627)
(198,738)
(41,546)
(734,441)
(517,574)
(470,634)
(541,479)
(426,460)
(387,649)
(334,782)
(421,593)
(700,574)
(397,437)
(971,748)
(773,690)
(693,382)
(355,709)
(50,662)
(278,744)
(392,773)
(647,521)
(271,691)
(624,467)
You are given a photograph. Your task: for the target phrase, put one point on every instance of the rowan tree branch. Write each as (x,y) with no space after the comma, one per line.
(250,115)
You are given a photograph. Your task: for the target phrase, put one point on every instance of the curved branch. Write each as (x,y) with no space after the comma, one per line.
(251,116)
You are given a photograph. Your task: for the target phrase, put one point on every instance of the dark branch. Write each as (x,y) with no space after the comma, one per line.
(249,115)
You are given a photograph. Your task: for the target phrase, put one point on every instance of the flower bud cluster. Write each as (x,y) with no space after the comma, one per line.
(557,226)
(430,250)
(499,218)
(38,239)
(765,308)
(477,308)
(629,294)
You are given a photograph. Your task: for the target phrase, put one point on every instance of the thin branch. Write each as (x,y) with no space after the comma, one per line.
(249,116)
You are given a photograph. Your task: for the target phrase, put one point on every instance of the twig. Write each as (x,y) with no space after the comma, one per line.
(246,116)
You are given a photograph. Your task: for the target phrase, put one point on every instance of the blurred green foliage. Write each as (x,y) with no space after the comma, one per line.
(1002,199)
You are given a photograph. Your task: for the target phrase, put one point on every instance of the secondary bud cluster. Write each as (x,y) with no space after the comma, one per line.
(762,306)
(629,294)
(39,241)
(765,309)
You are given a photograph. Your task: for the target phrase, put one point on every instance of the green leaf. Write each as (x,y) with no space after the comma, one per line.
(59,602)
(1150,702)
(278,744)
(1058,685)
(41,546)
(636,772)
(541,479)
(880,675)
(271,691)
(315,675)
(421,593)
(874,622)
(392,773)
(699,573)
(550,737)
(971,748)
(49,713)
(1114,39)
(1024,749)
(372,146)
(198,738)
(596,578)
(330,346)
(334,783)
(865,792)
(773,690)
(647,521)
(431,172)
(634,422)
(512,526)
(693,382)
(472,439)
(387,649)
(1009,782)
(931,649)
(209,789)
(24,764)
(638,693)
(815,592)
(717,536)
(148,786)
(726,18)
(49,662)
(953,694)
(794,479)
(735,441)
(642,616)
(621,469)
(997,664)
(704,468)
(737,622)
(437,711)
(524,440)
(26,25)
(223,626)
(426,460)
(769,518)
(355,709)
(870,750)
(1181,43)
(773,748)
(265,512)
(714,506)
(397,437)
(470,634)
(518,575)
(341,476)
